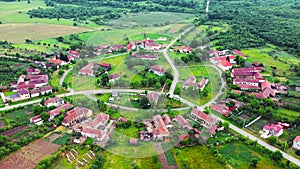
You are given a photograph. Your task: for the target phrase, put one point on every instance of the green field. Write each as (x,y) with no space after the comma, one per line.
(203,71)
(196,157)
(285,113)
(240,156)
(115,161)
(1,102)
(150,19)
(131,132)
(62,140)
(19,116)
(54,81)
(104,97)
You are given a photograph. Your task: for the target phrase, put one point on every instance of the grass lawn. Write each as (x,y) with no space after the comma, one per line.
(150,19)
(33,47)
(54,81)
(200,71)
(62,140)
(104,97)
(131,132)
(285,113)
(6,94)
(1,102)
(196,157)
(240,156)
(115,161)
(261,55)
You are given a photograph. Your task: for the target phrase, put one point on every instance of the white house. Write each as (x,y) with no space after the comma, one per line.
(157,70)
(296,143)
(56,101)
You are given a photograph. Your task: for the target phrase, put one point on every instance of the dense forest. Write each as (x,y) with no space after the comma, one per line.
(255,22)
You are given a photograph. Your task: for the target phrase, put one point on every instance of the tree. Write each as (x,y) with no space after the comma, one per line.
(254,162)
(144,103)
(276,155)
(104,79)
(273,140)
(45,116)
(226,125)
(61,72)
(101,105)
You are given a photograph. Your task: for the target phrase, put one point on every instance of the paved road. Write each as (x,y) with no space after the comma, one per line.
(61,80)
(176,74)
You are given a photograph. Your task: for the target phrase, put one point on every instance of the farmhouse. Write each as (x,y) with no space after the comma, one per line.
(167,121)
(73,54)
(24,94)
(181,121)
(88,69)
(152,97)
(246,83)
(75,115)
(191,82)
(272,130)
(107,66)
(249,69)
(114,77)
(220,108)
(160,131)
(185,49)
(92,133)
(56,112)
(296,143)
(99,121)
(157,70)
(37,80)
(40,91)
(56,101)
(36,120)
(208,121)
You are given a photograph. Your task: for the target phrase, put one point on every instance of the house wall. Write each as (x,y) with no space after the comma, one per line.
(296,145)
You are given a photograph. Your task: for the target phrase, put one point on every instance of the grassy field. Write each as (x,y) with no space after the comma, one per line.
(115,161)
(54,81)
(150,19)
(1,102)
(285,113)
(17,33)
(201,71)
(131,132)
(240,156)
(104,97)
(262,56)
(195,158)
(115,36)
(62,140)
(19,116)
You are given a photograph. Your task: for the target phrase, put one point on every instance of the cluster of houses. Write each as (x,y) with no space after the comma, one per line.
(148,44)
(221,107)
(192,82)
(250,78)
(107,49)
(181,49)
(71,55)
(274,129)
(91,68)
(32,85)
(223,59)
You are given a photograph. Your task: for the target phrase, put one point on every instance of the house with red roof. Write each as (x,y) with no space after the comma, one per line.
(248,69)
(152,97)
(40,91)
(55,101)
(36,120)
(167,121)
(33,71)
(99,121)
(185,49)
(133,141)
(181,121)
(246,83)
(88,69)
(37,80)
(207,120)
(296,143)
(157,70)
(160,131)
(105,65)
(75,115)
(220,108)
(272,130)
(114,77)
(92,133)
(56,112)
(24,94)
(191,82)
(225,65)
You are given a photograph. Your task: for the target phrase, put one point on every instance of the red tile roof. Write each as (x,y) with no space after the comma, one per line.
(222,109)
(42,89)
(75,113)
(237,52)
(158,68)
(225,63)
(101,118)
(296,139)
(52,100)
(56,112)
(103,64)
(249,69)
(203,116)
(181,121)
(183,136)
(92,131)
(152,96)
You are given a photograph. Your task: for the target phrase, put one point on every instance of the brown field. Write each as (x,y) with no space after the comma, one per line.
(15,130)
(176,28)
(17,33)
(28,157)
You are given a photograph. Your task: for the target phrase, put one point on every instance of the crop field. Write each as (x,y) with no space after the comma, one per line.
(176,28)
(17,33)
(240,156)
(62,140)
(196,157)
(29,156)
(63,162)
(285,113)
(115,161)
(262,56)
(115,36)
(151,19)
